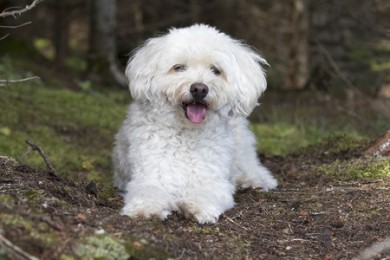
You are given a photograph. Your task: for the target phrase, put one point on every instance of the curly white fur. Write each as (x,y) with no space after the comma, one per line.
(177,151)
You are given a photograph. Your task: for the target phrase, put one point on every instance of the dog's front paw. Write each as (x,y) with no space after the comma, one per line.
(267,182)
(204,212)
(203,217)
(262,179)
(145,209)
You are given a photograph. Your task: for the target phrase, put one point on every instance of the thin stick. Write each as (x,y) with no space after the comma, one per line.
(3,37)
(36,147)
(20,11)
(16,249)
(5,82)
(14,26)
(238,225)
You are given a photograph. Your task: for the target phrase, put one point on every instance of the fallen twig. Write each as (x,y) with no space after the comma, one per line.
(36,147)
(238,225)
(15,249)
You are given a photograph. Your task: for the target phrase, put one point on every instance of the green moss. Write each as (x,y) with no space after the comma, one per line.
(66,257)
(102,247)
(283,138)
(238,244)
(6,199)
(109,247)
(336,144)
(33,195)
(16,221)
(32,230)
(142,249)
(277,138)
(4,253)
(357,169)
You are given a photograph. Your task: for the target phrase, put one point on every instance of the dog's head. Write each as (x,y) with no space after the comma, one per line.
(199,70)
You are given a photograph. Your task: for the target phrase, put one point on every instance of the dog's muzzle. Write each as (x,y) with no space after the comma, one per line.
(195,110)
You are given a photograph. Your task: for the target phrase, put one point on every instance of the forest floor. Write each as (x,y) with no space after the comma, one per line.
(321,210)
(332,201)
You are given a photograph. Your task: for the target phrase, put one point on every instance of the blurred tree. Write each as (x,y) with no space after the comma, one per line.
(297,71)
(102,39)
(61,31)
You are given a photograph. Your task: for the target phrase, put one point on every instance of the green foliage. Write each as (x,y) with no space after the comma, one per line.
(45,47)
(76,64)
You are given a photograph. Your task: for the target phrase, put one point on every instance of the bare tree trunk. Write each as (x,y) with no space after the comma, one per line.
(61,31)
(103,37)
(298,64)
(103,25)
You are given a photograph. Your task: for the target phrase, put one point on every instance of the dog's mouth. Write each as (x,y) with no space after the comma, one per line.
(195,111)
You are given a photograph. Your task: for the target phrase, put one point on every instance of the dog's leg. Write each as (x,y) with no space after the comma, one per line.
(207,201)
(248,171)
(147,200)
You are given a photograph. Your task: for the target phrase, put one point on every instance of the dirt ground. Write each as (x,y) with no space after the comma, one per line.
(310,216)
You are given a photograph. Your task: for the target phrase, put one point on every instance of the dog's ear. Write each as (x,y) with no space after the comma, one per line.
(142,68)
(248,79)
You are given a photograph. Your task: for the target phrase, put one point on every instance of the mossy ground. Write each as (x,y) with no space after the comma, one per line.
(331,202)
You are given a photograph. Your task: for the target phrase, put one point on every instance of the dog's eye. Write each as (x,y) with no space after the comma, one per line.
(215,70)
(179,67)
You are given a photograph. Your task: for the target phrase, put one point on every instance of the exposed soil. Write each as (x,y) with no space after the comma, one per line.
(309,216)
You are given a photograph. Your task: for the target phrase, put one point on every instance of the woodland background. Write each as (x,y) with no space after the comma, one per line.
(309,44)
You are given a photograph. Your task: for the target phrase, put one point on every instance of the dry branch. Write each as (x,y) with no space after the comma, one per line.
(15,249)
(20,11)
(42,153)
(15,26)
(4,36)
(5,82)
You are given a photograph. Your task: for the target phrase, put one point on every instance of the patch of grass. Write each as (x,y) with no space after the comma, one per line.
(357,169)
(283,138)
(336,145)
(287,122)
(71,127)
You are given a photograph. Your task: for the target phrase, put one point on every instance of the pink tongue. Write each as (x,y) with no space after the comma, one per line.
(196,113)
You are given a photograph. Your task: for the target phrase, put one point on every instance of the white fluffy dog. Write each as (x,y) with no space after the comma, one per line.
(185,144)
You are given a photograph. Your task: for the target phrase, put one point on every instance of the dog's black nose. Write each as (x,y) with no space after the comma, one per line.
(199,90)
